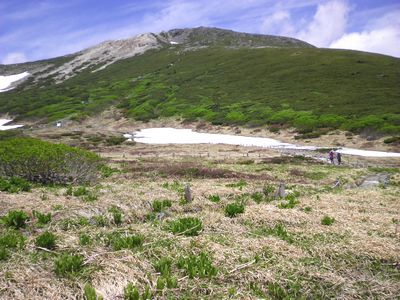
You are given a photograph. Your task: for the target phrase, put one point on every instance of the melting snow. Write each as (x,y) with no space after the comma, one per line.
(187,136)
(7,127)
(6,81)
(173,43)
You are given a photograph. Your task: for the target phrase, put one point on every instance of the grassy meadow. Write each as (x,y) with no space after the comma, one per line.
(131,234)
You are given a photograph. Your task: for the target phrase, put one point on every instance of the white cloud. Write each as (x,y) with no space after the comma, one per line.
(385,40)
(328,24)
(14,58)
(278,23)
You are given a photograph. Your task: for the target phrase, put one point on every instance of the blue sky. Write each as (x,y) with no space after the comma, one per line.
(32,30)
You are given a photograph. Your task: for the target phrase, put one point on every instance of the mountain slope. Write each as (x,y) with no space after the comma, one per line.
(225,80)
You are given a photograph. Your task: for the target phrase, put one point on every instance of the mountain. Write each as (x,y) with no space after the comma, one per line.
(217,75)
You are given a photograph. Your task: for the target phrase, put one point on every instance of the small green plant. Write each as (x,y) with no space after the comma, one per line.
(188,226)
(279,230)
(257,197)
(14,185)
(289,202)
(131,292)
(42,219)
(100,221)
(197,266)
(240,184)
(82,192)
(89,293)
(12,239)
(115,140)
(233,209)
(116,215)
(4,255)
(214,198)
(15,218)
(307,209)
(163,266)
(327,220)
(84,239)
(161,205)
(118,241)
(46,240)
(69,265)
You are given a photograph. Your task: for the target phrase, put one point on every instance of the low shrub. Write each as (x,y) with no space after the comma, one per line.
(392,140)
(119,241)
(327,220)
(197,266)
(15,218)
(69,264)
(214,198)
(14,185)
(163,266)
(115,140)
(131,292)
(47,163)
(161,205)
(240,184)
(42,219)
(116,215)
(12,239)
(89,293)
(4,255)
(46,240)
(84,239)
(188,226)
(233,209)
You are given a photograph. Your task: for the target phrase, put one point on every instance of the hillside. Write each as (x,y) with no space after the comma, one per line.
(219,76)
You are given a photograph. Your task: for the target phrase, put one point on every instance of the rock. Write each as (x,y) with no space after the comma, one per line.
(375,180)
(188,194)
(280,192)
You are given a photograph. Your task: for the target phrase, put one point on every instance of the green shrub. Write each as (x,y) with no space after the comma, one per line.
(4,255)
(187,226)
(14,185)
(392,140)
(197,266)
(163,266)
(233,209)
(47,163)
(116,215)
(240,184)
(84,239)
(89,293)
(132,293)
(161,205)
(278,231)
(257,197)
(214,198)
(42,218)
(69,264)
(119,241)
(15,218)
(12,239)
(290,201)
(46,240)
(327,220)
(115,140)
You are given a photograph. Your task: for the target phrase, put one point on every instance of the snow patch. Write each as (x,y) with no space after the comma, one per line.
(7,127)
(187,136)
(173,43)
(6,81)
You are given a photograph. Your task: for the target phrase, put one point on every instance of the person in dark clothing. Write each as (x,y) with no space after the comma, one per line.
(339,158)
(331,156)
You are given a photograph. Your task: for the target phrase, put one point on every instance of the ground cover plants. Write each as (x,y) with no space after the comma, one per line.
(237,239)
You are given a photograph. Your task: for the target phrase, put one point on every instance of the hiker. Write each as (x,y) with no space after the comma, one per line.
(339,157)
(331,156)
